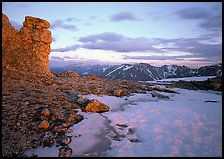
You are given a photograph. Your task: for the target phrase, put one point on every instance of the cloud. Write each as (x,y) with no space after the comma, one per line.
(93,17)
(194,46)
(192,13)
(69,48)
(72,19)
(154,57)
(209,19)
(123,44)
(57,58)
(60,24)
(87,23)
(123,16)
(70,58)
(111,41)
(213,23)
(155,48)
(103,36)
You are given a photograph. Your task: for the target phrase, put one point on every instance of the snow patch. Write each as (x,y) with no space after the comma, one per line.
(127,68)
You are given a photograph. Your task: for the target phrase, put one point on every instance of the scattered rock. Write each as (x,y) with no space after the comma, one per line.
(71,117)
(118,137)
(118,93)
(122,125)
(83,100)
(78,118)
(68,73)
(155,94)
(91,77)
(133,138)
(58,129)
(46,112)
(44,125)
(65,125)
(69,131)
(131,131)
(23,116)
(65,152)
(66,141)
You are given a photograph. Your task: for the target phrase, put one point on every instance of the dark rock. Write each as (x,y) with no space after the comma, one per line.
(46,112)
(122,125)
(66,141)
(155,94)
(23,116)
(65,152)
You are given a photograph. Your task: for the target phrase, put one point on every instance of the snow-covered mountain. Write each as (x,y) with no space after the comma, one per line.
(147,72)
(143,71)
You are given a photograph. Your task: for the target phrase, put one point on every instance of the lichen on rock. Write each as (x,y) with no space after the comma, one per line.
(96,106)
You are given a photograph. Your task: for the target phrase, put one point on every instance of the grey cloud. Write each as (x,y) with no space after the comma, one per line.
(70,48)
(68,57)
(57,58)
(87,23)
(73,19)
(209,19)
(93,17)
(60,24)
(198,47)
(104,36)
(69,19)
(154,57)
(123,16)
(192,13)
(194,46)
(122,45)
(213,23)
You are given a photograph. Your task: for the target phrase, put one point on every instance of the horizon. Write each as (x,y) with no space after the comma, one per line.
(156,33)
(84,64)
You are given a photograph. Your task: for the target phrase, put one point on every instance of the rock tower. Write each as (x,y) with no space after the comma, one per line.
(26,51)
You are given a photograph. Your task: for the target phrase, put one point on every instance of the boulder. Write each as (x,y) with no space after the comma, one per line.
(65,151)
(46,112)
(44,125)
(96,106)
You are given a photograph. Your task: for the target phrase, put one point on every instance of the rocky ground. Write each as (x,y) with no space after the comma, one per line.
(209,84)
(39,111)
(33,106)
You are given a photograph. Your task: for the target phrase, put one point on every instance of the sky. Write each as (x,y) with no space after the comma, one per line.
(157,33)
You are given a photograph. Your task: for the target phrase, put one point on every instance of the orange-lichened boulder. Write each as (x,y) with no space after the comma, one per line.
(26,51)
(96,106)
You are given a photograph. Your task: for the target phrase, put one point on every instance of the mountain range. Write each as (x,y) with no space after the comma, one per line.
(141,71)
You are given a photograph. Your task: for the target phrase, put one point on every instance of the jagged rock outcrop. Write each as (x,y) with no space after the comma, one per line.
(26,51)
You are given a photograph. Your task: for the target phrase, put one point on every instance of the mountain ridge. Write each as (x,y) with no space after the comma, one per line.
(142,71)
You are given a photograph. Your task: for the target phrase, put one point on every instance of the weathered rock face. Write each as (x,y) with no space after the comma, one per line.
(26,51)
